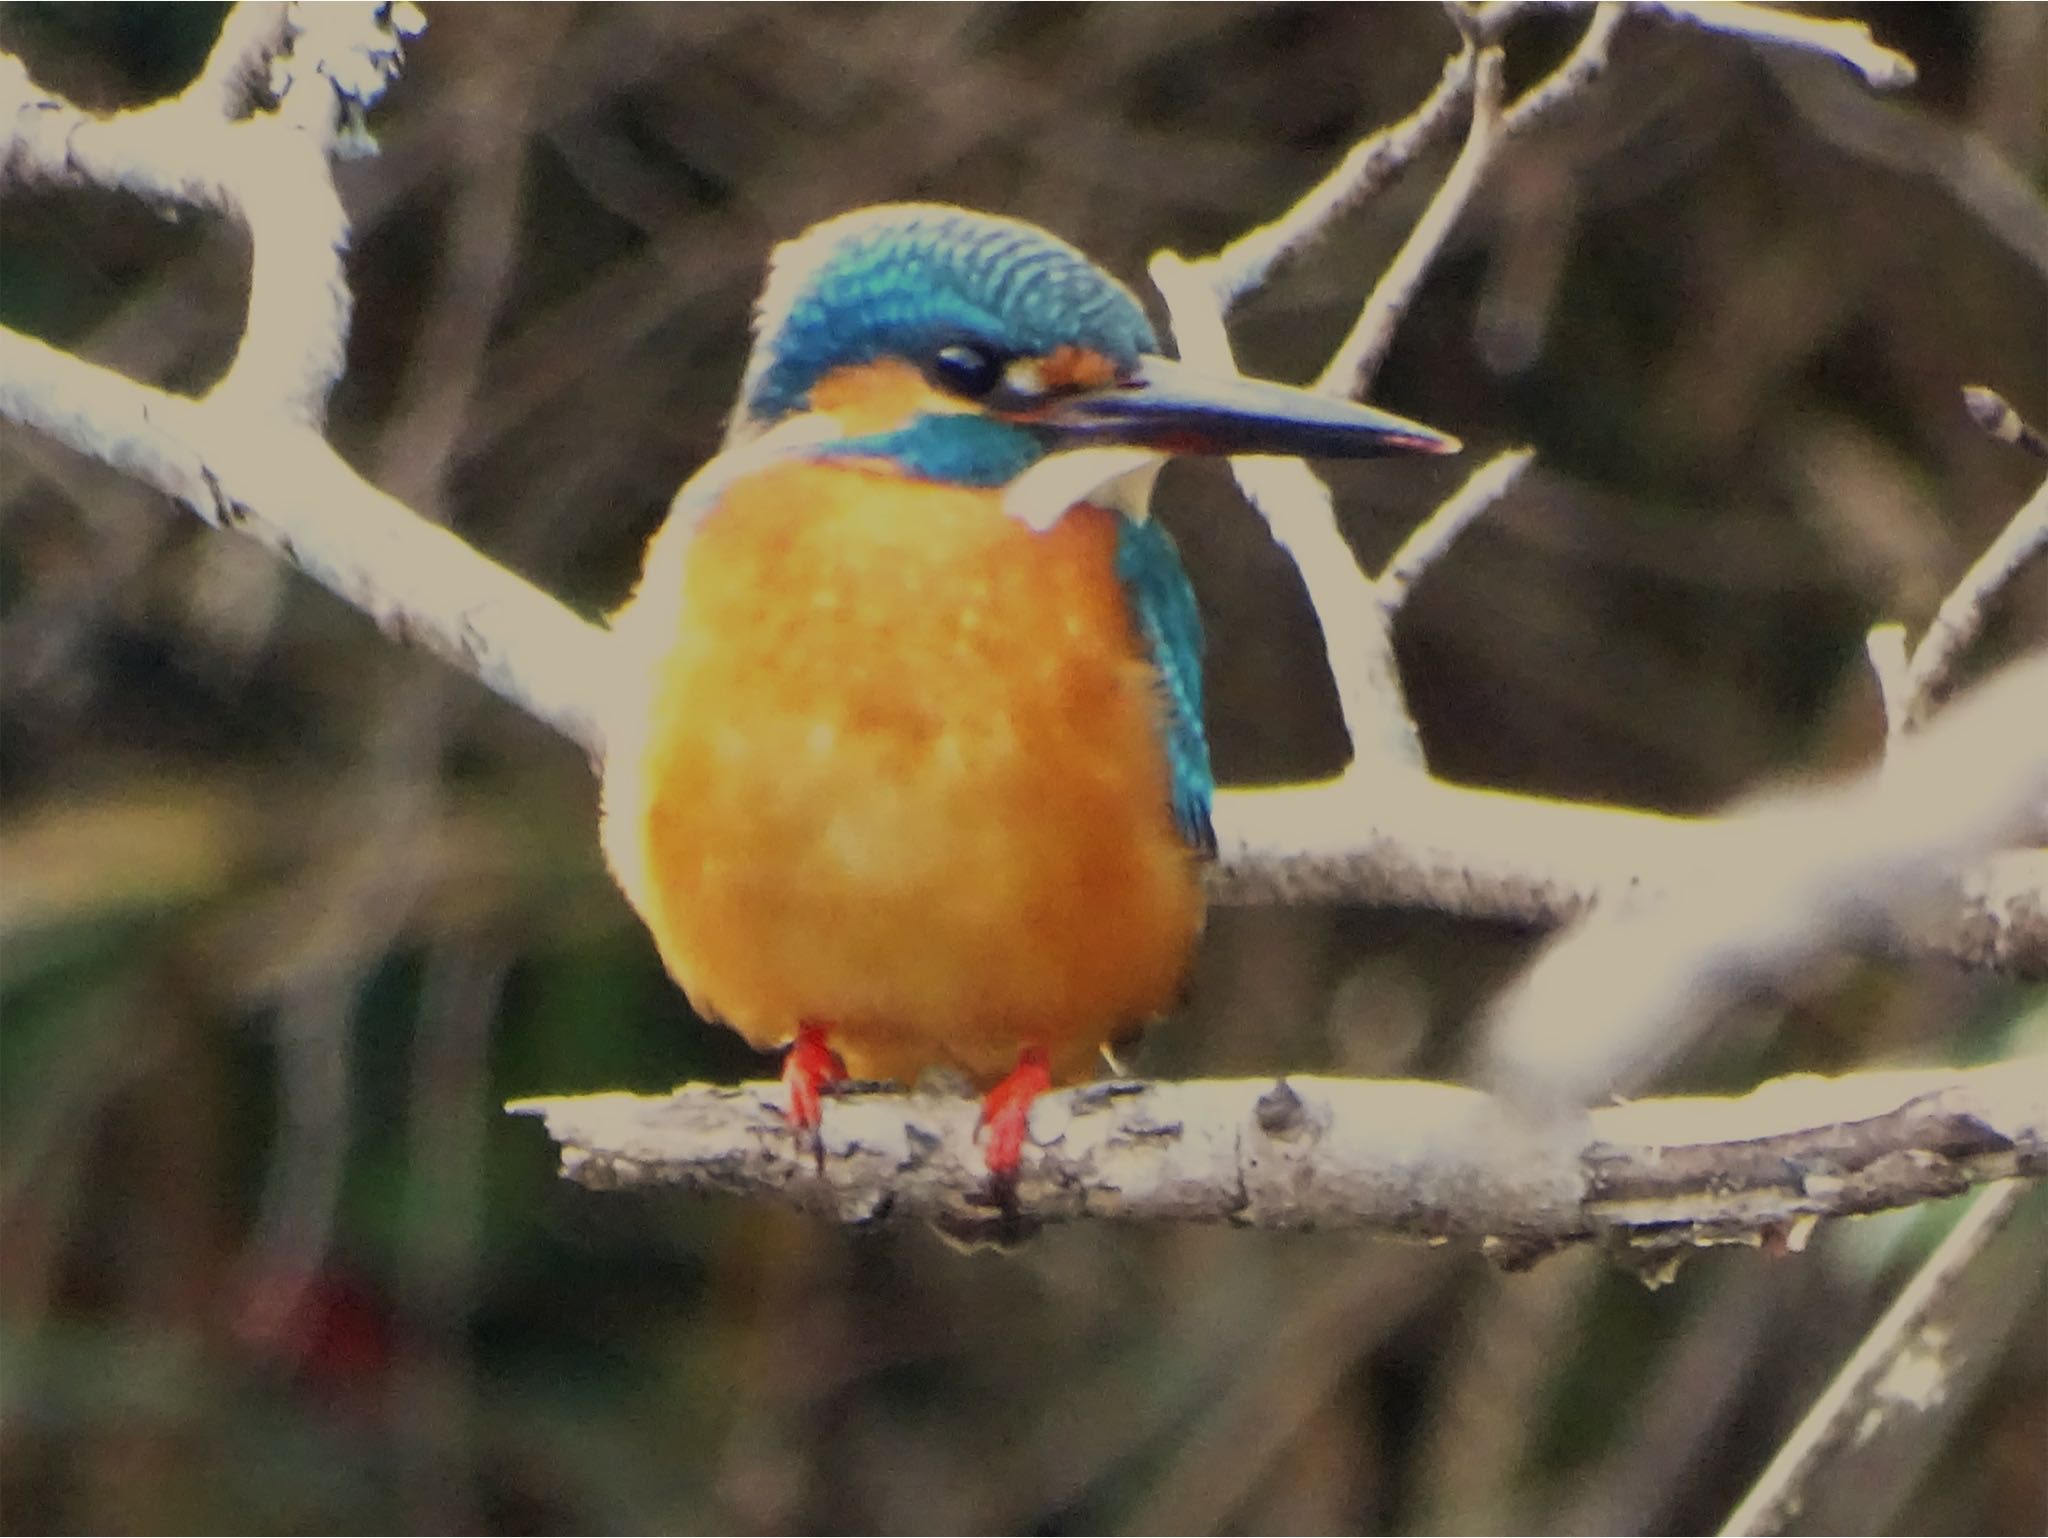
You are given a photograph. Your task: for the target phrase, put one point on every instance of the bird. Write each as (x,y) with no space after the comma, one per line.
(906,765)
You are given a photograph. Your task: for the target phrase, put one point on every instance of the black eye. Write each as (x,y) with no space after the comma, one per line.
(965,369)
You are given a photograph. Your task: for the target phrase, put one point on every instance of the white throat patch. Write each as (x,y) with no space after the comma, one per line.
(1119,478)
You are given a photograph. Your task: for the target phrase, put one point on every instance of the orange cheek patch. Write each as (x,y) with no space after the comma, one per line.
(1076,368)
(877,397)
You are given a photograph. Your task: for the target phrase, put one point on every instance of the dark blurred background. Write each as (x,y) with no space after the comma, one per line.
(286,912)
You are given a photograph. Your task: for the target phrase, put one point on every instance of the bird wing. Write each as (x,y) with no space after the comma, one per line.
(1163,608)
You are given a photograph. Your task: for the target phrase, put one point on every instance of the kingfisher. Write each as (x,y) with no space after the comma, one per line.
(906,766)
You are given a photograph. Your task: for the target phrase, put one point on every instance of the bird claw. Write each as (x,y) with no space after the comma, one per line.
(1006,1120)
(809,1068)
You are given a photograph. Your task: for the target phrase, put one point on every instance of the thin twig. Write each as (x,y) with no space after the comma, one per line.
(1376,160)
(1429,539)
(1961,616)
(1885,646)
(1913,142)
(1356,612)
(1357,359)
(1298,509)
(1581,67)
(1372,163)
(1994,413)
(1849,41)
(1897,1377)
(1357,638)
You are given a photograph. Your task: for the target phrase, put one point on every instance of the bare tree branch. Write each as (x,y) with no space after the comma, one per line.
(1276,840)
(1994,413)
(1885,646)
(1430,539)
(1358,638)
(1849,41)
(1357,615)
(251,35)
(1352,367)
(1376,160)
(1912,686)
(1476,853)
(267,171)
(1961,616)
(1636,982)
(1582,66)
(1783,881)
(1483,854)
(1670,918)
(287,489)
(1885,1406)
(1430,1161)
(1248,261)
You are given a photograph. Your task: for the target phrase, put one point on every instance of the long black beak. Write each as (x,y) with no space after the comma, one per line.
(1180,410)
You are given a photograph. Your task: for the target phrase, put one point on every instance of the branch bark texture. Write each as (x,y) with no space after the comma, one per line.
(1411,1159)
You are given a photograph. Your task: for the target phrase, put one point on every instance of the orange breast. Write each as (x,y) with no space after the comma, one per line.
(900,772)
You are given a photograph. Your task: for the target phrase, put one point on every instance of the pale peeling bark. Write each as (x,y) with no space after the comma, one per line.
(1407,1159)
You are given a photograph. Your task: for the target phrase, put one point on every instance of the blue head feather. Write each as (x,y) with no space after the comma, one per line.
(904,280)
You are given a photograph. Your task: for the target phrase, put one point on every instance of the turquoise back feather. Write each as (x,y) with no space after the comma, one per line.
(1163,609)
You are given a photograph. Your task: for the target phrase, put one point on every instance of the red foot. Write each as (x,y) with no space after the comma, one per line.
(807,1067)
(1006,1113)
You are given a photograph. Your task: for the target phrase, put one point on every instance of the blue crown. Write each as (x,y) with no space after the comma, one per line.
(905,280)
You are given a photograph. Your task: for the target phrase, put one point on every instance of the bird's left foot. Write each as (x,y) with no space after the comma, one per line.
(1006,1120)
(809,1067)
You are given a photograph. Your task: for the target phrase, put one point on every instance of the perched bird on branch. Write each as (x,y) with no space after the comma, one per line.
(907,769)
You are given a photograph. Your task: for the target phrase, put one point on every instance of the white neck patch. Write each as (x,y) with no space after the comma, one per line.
(1119,478)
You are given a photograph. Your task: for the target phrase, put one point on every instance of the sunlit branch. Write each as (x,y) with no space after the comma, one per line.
(1420,1160)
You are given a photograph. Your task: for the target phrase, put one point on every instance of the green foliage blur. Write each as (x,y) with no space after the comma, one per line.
(286,912)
